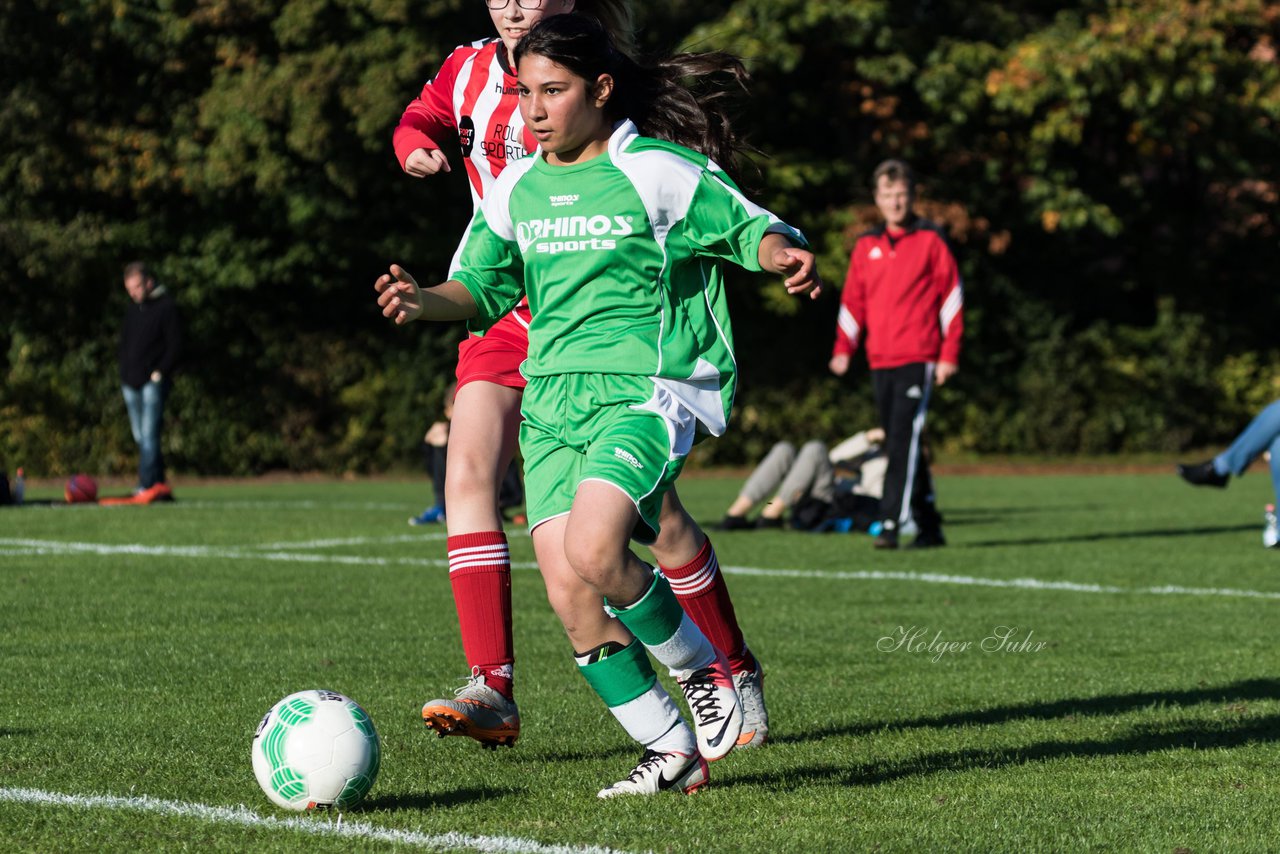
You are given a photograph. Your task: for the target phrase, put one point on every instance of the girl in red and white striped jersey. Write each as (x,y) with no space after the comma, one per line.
(473,96)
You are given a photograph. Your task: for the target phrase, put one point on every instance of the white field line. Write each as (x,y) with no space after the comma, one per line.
(369,541)
(244,817)
(299,504)
(56,547)
(1019,583)
(353,541)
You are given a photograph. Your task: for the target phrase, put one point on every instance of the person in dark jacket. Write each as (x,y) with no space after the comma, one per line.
(150,342)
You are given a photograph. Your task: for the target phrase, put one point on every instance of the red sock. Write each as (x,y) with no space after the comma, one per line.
(480,573)
(701,591)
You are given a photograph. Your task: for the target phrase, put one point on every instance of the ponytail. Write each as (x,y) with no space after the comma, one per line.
(680,99)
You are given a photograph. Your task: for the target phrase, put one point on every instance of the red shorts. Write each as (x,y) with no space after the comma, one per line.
(495,357)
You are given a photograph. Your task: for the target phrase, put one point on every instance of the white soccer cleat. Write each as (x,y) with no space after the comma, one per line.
(755,717)
(662,772)
(717,713)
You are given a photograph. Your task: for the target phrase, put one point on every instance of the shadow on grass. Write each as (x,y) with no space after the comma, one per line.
(1194,737)
(10,732)
(425,800)
(1101,536)
(1250,689)
(997,515)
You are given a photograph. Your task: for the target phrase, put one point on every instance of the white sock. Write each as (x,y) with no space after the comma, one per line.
(654,720)
(685,651)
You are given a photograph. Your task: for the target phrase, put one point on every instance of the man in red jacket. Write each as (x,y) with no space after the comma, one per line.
(903,294)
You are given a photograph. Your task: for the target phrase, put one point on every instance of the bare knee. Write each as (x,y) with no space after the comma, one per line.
(595,559)
(580,610)
(471,472)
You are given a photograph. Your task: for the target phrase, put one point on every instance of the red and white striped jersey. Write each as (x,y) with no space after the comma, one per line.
(473,96)
(904,295)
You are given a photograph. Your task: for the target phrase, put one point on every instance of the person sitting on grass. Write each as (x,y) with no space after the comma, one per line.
(818,486)
(1262,436)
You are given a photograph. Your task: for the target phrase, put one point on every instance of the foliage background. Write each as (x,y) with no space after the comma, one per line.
(1107,170)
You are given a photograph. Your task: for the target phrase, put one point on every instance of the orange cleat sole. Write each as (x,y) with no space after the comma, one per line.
(445,721)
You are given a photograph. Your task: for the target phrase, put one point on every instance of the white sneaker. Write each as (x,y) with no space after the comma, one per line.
(717,713)
(755,717)
(662,772)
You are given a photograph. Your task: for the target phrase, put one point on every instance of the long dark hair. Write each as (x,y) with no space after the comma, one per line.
(681,99)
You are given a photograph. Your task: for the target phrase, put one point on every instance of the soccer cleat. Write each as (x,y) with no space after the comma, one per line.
(717,712)
(1270,528)
(476,711)
(662,772)
(887,540)
(428,517)
(928,539)
(755,717)
(1203,474)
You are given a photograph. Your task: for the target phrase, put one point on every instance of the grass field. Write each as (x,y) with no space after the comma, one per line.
(140,647)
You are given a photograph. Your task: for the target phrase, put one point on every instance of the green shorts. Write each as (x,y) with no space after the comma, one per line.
(602,427)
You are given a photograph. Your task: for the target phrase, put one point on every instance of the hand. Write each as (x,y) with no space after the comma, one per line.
(420,163)
(839,365)
(156,376)
(944,371)
(876,435)
(798,266)
(399,295)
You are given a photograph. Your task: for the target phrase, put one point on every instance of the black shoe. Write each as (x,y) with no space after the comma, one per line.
(929,539)
(766,522)
(1203,474)
(887,540)
(735,523)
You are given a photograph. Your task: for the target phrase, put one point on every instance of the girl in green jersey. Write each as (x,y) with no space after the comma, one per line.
(617,240)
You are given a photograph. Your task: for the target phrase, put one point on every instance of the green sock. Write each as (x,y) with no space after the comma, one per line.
(656,617)
(619,676)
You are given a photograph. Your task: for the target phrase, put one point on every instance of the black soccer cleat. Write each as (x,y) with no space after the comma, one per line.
(929,539)
(1202,474)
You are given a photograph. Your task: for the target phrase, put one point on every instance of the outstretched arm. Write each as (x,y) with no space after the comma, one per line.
(402,300)
(777,254)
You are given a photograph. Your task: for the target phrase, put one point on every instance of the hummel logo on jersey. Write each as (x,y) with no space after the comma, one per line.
(548,233)
(914,392)
(628,456)
(875,254)
(562,201)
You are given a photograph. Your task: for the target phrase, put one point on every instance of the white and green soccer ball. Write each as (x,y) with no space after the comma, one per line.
(316,749)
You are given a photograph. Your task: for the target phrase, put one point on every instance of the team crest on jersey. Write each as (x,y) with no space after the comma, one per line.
(875,254)
(466,135)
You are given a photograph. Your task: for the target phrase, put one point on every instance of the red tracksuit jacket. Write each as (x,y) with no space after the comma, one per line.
(904,295)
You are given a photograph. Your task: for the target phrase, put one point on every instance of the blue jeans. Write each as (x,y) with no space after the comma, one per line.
(146,415)
(1262,434)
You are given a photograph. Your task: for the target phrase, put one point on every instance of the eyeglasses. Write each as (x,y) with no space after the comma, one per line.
(495,5)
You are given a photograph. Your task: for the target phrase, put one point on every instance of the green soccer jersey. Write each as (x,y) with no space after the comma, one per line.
(620,259)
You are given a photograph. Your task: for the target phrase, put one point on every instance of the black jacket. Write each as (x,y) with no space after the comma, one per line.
(150,339)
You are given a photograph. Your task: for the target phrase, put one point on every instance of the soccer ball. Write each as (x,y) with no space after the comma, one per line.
(80,489)
(316,749)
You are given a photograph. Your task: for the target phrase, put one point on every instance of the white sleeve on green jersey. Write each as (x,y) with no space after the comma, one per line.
(488,262)
(683,191)
(723,223)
